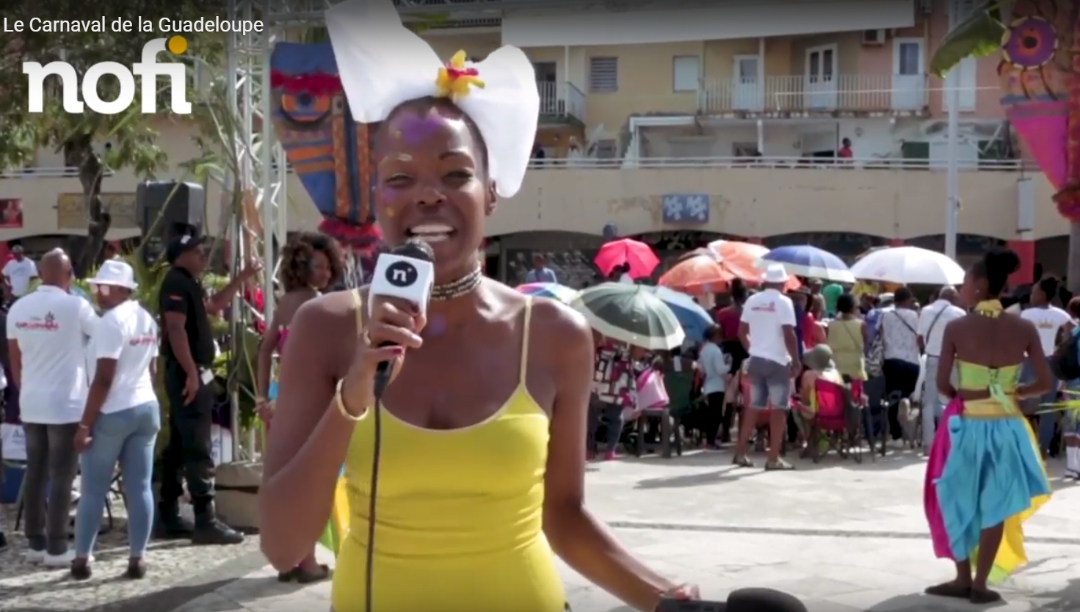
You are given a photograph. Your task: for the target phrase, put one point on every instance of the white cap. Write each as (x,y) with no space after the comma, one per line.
(116,273)
(775,273)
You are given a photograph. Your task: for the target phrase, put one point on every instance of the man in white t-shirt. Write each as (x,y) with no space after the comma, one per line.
(121,419)
(932,322)
(1049,320)
(767,331)
(19,271)
(46,332)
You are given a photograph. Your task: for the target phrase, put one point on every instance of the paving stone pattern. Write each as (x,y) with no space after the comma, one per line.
(844,537)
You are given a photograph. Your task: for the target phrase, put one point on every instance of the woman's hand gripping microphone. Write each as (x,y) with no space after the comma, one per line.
(393,327)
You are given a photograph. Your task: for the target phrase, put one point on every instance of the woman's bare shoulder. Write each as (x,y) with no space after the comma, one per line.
(562,328)
(332,313)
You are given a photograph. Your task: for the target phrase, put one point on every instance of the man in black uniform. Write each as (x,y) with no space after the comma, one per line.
(188,348)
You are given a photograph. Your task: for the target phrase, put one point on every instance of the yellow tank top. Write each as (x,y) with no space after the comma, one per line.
(459,514)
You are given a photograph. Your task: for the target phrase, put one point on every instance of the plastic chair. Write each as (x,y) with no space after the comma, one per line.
(836,419)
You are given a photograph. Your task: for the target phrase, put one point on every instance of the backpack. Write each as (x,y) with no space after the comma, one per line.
(1065,363)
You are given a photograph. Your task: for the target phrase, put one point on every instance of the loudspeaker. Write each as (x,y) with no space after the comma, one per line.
(166,209)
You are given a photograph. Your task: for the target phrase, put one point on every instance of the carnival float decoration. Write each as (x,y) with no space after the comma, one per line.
(1040,81)
(327,149)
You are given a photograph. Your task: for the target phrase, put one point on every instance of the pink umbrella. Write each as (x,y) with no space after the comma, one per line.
(638,255)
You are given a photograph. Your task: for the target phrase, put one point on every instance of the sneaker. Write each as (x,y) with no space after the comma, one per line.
(62,560)
(216,532)
(34,556)
(610,456)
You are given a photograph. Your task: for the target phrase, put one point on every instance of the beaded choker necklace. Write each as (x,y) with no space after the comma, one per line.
(989,308)
(458,288)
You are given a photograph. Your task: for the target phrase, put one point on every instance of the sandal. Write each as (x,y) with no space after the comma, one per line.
(287,576)
(952,590)
(742,461)
(310,577)
(779,466)
(981,597)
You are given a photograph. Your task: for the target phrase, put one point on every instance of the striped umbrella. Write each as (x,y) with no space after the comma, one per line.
(553,291)
(631,314)
(809,261)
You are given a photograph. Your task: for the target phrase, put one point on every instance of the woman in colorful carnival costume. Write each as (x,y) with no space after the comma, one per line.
(985,475)
(482,429)
(310,262)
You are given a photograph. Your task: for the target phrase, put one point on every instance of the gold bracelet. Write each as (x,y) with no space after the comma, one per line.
(341,404)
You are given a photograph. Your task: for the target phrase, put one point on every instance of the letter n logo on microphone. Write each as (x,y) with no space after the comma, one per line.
(401,274)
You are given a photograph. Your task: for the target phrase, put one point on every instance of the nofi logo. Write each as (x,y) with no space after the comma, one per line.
(148,70)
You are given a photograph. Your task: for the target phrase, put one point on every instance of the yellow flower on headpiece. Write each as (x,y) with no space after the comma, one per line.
(455,80)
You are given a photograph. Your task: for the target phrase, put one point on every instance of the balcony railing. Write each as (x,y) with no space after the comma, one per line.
(561,100)
(806,163)
(45,172)
(892,163)
(800,93)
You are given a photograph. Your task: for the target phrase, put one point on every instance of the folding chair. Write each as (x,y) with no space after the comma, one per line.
(836,421)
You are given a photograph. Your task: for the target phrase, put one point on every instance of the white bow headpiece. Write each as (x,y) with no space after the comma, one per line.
(382,64)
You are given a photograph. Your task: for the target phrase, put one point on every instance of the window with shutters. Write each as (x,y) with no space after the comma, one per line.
(684,73)
(603,74)
(915,153)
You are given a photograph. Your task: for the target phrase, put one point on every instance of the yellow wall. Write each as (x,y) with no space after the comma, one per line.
(773,201)
(645,72)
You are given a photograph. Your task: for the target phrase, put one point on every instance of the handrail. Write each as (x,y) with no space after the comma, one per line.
(45,172)
(589,163)
(891,163)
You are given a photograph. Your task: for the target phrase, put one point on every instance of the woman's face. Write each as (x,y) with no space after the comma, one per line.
(433,186)
(320,271)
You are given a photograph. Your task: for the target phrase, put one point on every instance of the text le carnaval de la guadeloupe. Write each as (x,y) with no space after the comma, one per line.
(163,25)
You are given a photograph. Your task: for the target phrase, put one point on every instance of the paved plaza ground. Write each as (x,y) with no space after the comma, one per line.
(844,537)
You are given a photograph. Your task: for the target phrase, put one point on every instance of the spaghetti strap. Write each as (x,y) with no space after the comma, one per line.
(358,303)
(525,340)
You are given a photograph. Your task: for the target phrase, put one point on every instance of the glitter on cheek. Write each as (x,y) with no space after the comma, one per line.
(390,212)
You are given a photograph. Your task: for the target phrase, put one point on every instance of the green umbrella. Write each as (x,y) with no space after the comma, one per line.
(631,314)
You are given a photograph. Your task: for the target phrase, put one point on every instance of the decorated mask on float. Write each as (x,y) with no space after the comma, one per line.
(1040,85)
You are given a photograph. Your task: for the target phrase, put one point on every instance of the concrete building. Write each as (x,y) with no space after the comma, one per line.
(718,118)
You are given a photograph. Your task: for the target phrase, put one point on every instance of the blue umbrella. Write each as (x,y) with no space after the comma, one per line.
(693,318)
(809,261)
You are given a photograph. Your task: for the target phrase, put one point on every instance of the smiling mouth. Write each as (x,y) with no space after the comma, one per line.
(431,233)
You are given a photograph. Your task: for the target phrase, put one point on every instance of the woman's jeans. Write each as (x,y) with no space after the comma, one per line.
(127,436)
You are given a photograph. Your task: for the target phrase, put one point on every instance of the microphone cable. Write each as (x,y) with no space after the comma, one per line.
(382,379)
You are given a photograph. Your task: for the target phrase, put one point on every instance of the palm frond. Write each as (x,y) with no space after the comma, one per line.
(978,36)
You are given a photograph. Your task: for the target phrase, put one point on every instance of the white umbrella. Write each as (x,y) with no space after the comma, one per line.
(908,266)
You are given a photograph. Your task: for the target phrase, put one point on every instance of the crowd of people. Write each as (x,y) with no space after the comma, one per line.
(84,374)
(768,345)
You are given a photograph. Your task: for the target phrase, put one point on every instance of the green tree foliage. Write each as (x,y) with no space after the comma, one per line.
(980,35)
(134,141)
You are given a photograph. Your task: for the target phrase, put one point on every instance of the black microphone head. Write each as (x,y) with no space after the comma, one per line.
(763,600)
(416,249)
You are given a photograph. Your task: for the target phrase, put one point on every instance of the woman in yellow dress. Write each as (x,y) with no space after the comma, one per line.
(482,461)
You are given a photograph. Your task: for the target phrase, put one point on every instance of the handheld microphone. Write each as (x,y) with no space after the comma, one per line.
(742,600)
(406,273)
